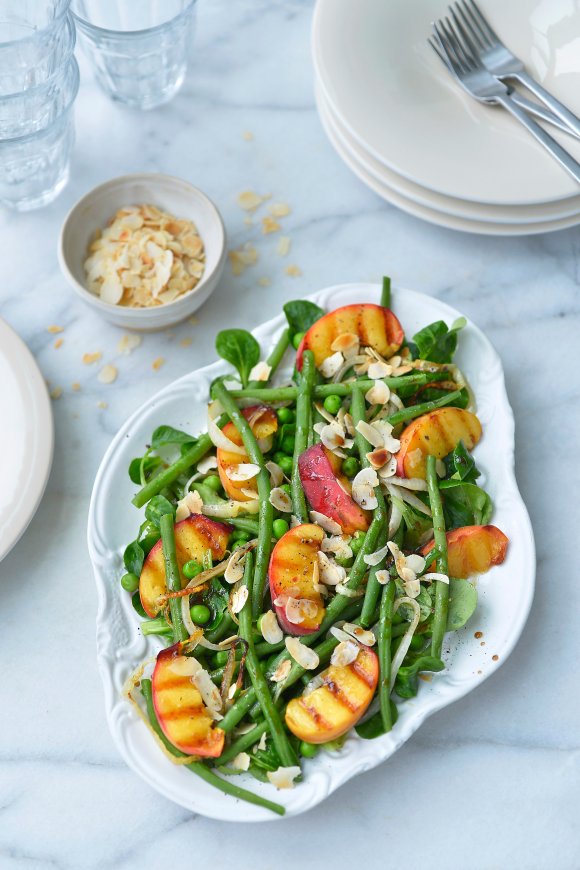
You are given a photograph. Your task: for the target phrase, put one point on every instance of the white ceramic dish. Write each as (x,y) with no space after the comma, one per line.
(178,197)
(26,437)
(505,593)
(427,213)
(394,96)
(461,208)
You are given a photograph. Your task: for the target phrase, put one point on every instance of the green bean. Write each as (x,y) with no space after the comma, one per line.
(385,636)
(386,292)
(198,767)
(439,626)
(417,410)
(266,513)
(358,412)
(226,627)
(246,524)
(156,626)
(207,493)
(238,710)
(271,714)
(303,407)
(244,742)
(172,576)
(321,391)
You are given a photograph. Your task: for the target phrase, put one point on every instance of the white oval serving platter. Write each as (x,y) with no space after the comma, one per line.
(505,593)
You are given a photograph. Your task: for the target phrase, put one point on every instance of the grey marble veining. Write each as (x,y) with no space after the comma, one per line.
(493,781)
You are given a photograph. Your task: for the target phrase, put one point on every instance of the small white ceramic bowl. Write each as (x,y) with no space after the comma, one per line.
(173,195)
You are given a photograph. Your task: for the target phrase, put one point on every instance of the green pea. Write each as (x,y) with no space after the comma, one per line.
(286,463)
(286,415)
(357,542)
(417,642)
(213,482)
(240,535)
(287,444)
(191,569)
(308,750)
(350,466)
(286,488)
(296,339)
(220,658)
(280,527)
(130,582)
(332,404)
(237,544)
(200,614)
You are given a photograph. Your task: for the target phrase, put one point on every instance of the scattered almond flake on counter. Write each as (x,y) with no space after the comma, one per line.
(90,358)
(56,393)
(283,246)
(243,257)
(248,221)
(250,201)
(279,209)
(108,374)
(144,257)
(102,405)
(55,329)
(157,363)
(270,225)
(128,343)
(294,271)
(264,282)
(75,386)
(58,343)
(247,135)
(186,342)
(283,777)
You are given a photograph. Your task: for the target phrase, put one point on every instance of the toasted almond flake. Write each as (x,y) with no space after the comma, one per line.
(331,365)
(292,610)
(407,575)
(128,343)
(247,136)
(260,372)
(186,342)
(235,568)
(209,692)
(329,572)
(339,634)
(75,386)
(264,281)
(242,759)
(249,201)
(54,330)
(191,503)
(243,471)
(270,225)
(271,631)
(280,499)
(337,544)
(379,394)
(376,557)
(434,576)
(90,358)
(389,469)
(283,777)
(326,523)
(382,576)
(283,246)
(366,477)
(343,589)
(108,374)
(416,563)
(207,463)
(157,363)
(293,271)
(378,369)
(276,473)
(315,683)
(281,671)
(239,598)
(346,343)
(379,457)
(371,433)
(414,483)
(232,692)
(334,437)
(279,209)
(304,656)
(362,635)
(345,653)
(263,741)
(56,393)
(384,428)
(58,343)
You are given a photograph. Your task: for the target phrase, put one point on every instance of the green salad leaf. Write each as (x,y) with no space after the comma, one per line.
(157,507)
(460,464)
(462,603)
(165,435)
(407,682)
(133,558)
(141,468)
(373,726)
(301,315)
(437,342)
(240,348)
(465,504)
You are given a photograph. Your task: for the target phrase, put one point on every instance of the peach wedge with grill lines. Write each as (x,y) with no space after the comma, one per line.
(263,423)
(328,490)
(376,327)
(293,563)
(194,536)
(472,550)
(435,434)
(181,713)
(337,705)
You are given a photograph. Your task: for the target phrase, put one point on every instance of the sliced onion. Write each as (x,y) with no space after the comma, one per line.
(406,495)
(231,509)
(407,637)
(215,433)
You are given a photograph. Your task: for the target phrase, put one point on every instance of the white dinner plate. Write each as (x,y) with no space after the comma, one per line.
(505,593)
(395,97)
(433,215)
(26,437)
(462,208)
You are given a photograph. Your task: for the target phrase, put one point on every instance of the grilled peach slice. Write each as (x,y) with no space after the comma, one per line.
(337,705)
(375,326)
(435,434)
(263,423)
(473,550)
(292,576)
(181,713)
(328,491)
(193,537)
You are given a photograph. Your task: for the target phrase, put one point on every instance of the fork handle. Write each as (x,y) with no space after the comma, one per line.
(558,108)
(558,153)
(542,113)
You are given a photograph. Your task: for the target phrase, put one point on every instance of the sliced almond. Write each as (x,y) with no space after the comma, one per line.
(283,777)
(281,671)
(243,471)
(304,656)
(326,523)
(271,631)
(260,372)
(345,653)
(280,499)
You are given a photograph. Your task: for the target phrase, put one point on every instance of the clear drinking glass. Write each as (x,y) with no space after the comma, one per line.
(36,140)
(139,48)
(36,38)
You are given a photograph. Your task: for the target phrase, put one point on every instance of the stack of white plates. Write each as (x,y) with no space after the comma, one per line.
(399,121)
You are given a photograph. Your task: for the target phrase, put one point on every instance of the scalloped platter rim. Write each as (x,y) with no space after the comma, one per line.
(505,593)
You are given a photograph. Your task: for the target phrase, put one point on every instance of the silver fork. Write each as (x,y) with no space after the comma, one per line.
(500,61)
(481,84)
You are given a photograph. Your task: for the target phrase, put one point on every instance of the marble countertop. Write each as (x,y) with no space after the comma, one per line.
(491,782)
